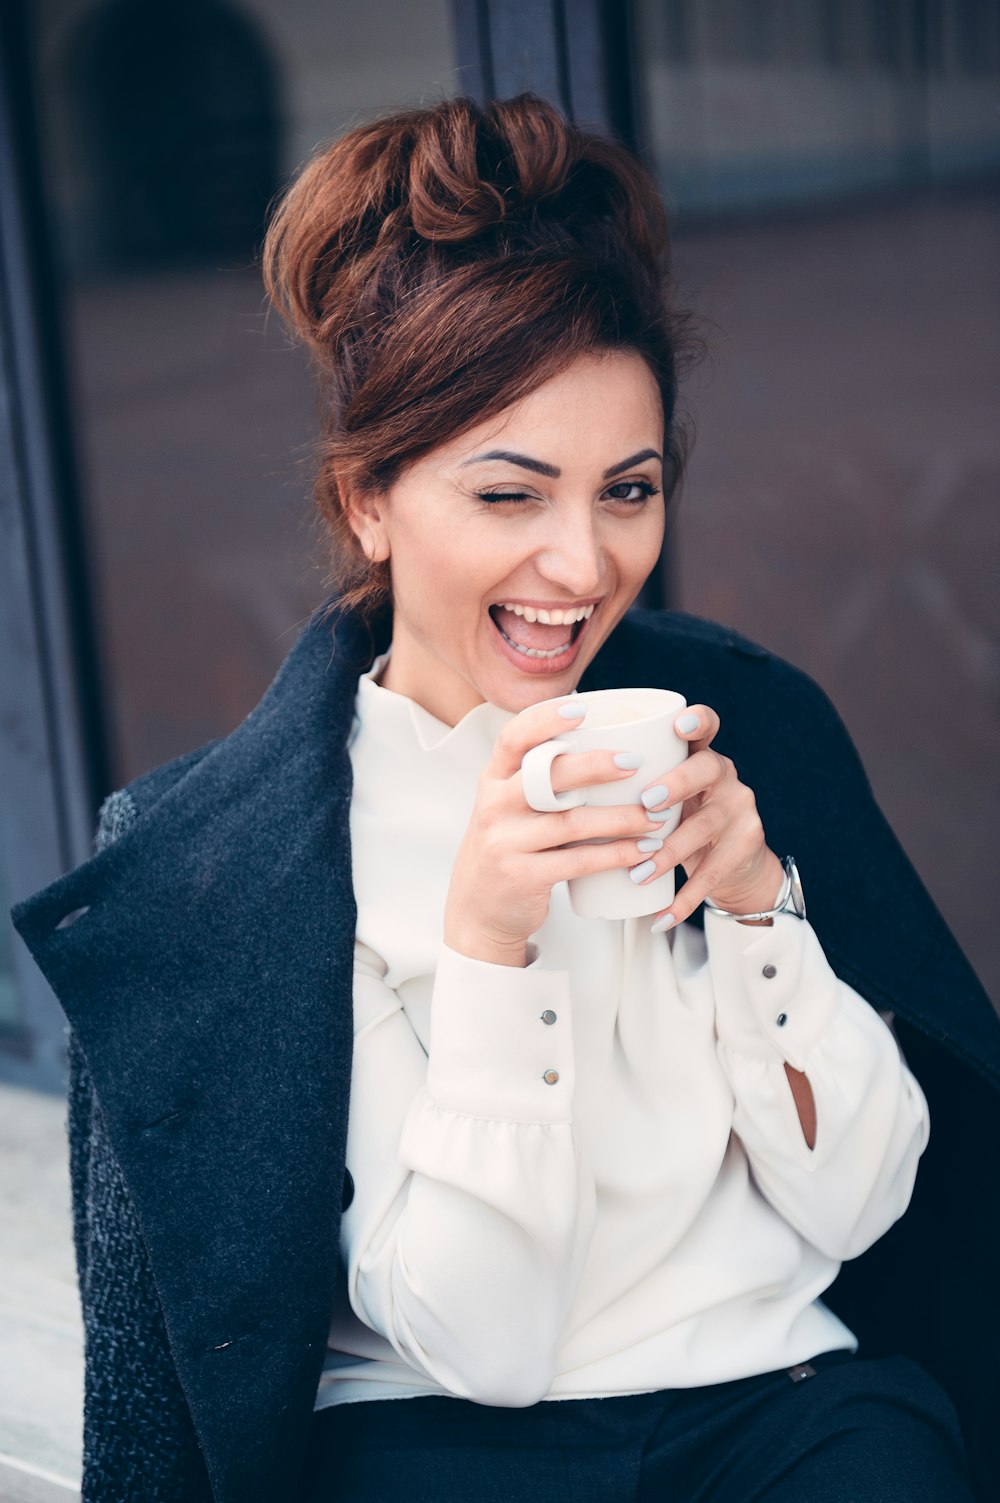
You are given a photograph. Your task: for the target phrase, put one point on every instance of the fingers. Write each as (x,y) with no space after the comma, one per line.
(547,832)
(698,725)
(584,769)
(693,836)
(703,828)
(570,770)
(530,728)
(703,772)
(563,865)
(717,864)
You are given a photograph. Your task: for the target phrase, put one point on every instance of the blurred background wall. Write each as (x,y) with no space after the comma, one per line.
(831,167)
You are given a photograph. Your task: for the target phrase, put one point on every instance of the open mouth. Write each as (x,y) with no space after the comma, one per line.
(540,635)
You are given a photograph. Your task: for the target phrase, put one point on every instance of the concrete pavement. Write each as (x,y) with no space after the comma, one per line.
(41,1337)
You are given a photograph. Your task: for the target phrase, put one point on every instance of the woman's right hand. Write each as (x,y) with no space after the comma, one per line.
(511,857)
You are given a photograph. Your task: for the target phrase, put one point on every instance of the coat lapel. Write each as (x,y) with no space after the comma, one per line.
(208,983)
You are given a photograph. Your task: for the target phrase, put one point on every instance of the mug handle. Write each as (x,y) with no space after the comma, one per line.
(536,776)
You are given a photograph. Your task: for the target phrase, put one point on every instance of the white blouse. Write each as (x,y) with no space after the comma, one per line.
(654,1217)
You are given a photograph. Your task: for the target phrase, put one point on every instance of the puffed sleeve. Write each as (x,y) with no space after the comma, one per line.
(473,1208)
(778,1001)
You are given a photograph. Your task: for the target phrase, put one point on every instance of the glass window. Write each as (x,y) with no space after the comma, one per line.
(753,104)
(168,130)
(839,506)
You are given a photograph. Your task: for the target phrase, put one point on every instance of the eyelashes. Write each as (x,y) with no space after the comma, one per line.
(645,487)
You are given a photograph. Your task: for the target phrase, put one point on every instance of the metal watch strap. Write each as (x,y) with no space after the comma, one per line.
(790,897)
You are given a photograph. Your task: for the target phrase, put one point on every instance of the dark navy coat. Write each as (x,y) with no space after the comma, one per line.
(203,956)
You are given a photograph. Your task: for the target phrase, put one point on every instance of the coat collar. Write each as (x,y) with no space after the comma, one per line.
(207,981)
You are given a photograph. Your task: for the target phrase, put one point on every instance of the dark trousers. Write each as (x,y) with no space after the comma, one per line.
(853,1431)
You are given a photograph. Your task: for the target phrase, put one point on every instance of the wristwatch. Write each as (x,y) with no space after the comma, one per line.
(790,899)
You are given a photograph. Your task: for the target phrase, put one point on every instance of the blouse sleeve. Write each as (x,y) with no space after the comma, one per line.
(473,1211)
(778,1001)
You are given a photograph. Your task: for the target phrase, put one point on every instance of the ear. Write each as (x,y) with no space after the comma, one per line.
(366,515)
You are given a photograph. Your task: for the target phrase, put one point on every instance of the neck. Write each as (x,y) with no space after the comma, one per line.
(422,677)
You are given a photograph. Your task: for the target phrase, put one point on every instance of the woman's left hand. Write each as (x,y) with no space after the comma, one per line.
(720,840)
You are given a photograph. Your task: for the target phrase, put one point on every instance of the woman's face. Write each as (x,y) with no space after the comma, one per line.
(553,507)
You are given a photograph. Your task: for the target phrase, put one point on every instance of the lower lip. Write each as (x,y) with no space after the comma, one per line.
(536,667)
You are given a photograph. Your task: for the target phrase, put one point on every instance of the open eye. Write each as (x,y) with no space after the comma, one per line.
(645,488)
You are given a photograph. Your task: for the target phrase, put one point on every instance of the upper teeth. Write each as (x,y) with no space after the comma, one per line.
(552,618)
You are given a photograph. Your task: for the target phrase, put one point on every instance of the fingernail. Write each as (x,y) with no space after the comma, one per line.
(640,873)
(628,761)
(650,843)
(665,921)
(657,819)
(686,723)
(572,711)
(654,796)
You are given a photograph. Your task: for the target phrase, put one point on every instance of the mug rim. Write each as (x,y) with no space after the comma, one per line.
(675,694)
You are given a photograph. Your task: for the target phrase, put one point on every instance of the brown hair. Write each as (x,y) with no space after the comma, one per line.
(442,263)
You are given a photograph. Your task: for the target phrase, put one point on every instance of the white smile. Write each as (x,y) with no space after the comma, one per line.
(536,652)
(574,616)
(551,618)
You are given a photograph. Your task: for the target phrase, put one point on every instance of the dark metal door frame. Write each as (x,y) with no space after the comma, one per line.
(53,766)
(575,52)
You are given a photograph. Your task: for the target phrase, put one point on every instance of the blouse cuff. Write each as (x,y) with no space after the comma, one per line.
(776,995)
(501,1040)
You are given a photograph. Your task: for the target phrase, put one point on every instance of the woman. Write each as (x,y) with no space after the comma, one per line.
(595,1175)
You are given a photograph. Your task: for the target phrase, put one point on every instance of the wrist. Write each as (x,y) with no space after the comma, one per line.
(756,899)
(490,951)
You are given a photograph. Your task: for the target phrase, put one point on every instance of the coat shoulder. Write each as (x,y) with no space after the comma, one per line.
(718,655)
(698,631)
(125,805)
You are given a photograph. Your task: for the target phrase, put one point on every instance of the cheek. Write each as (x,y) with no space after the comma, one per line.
(463,563)
(638,546)
(432,566)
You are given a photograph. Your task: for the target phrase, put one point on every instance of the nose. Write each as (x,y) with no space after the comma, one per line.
(573,555)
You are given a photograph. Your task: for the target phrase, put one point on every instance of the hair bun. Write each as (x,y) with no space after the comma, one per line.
(471,169)
(492,181)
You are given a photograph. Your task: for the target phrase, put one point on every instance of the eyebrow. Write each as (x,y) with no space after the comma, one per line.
(541,468)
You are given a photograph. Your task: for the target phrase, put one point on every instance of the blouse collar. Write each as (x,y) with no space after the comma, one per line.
(397,716)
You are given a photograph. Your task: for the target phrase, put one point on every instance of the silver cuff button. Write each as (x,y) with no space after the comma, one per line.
(550,1077)
(548,1016)
(770,971)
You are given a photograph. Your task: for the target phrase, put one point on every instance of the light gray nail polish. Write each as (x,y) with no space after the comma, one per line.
(572,711)
(654,796)
(657,819)
(650,843)
(628,761)
(666,922)
(640,873)
(687,723)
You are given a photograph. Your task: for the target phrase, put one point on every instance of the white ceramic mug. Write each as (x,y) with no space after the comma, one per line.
(617,720)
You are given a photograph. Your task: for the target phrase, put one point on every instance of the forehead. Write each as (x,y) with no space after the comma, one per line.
(598,409)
